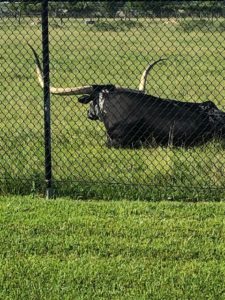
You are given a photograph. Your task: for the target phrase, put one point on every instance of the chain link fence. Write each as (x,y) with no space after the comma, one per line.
(107,142)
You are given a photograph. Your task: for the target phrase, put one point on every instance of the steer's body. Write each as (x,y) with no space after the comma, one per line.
(132,119)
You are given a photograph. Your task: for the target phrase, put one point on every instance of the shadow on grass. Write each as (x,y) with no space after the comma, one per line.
(111,191)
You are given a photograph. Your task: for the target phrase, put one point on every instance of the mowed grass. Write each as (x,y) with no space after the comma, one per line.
(86,54)
(64,249)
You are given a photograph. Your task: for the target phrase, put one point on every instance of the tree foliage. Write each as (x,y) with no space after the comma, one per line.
(110,8)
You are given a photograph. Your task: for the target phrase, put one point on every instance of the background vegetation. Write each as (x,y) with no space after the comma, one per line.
(111,8)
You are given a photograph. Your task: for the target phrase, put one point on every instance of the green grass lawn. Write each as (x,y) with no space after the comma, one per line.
(108,52)
(64,249)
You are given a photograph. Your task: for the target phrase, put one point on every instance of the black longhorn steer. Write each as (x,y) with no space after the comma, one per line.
(132,118)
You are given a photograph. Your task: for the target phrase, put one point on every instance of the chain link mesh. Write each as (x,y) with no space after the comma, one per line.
(97,43)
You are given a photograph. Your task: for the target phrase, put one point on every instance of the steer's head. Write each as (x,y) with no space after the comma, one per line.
(94,95)
(96,101)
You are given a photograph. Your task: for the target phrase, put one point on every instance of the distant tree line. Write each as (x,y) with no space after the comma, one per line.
(118,8)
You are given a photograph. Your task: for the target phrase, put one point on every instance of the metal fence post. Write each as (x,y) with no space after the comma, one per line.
(47,107)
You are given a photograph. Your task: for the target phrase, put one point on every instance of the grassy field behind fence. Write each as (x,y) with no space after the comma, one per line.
(111,250)
(108,52)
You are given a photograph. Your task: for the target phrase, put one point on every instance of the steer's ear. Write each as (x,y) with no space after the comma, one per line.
(85,99)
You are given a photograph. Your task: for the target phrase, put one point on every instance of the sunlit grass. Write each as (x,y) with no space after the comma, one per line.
(63,249)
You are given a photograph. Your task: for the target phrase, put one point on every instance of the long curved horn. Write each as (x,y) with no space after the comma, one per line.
(59,91)
(142,84)
(70,91)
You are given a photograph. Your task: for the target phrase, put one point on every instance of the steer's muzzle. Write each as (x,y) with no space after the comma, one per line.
(93,112)
(91,116)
